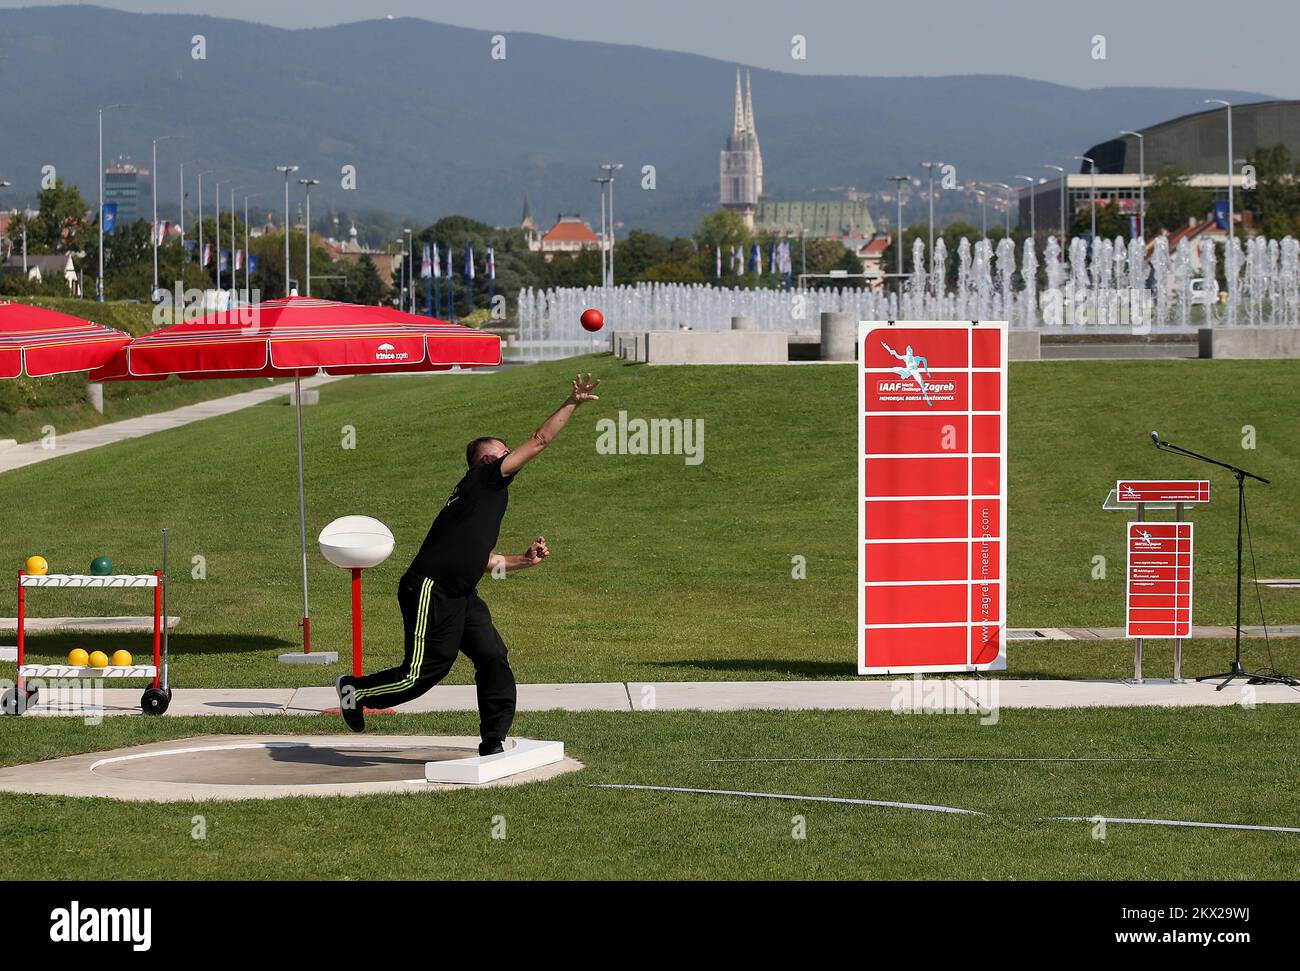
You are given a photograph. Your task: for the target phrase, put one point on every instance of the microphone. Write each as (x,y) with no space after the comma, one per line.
(1155,439)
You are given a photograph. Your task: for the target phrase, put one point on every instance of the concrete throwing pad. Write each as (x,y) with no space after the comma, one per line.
(224,767)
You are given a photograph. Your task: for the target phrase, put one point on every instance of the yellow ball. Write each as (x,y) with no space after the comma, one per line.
(36,566)
(78,658)
(121,659)
(99,660)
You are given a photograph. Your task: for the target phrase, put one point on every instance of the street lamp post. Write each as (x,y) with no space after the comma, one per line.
(99,283)
(931,166)
(1230,251)
(216,192)
(248,286)
(1061,171)
(602,183)
(234,276)
(308,183)
(401,274)
(286,169)
(898,181)
(1033,219)
(1006,207)
(192,161)
(153,184)
(609,169)
(408,257)
(200,239)
(1092,194)
(1142,180)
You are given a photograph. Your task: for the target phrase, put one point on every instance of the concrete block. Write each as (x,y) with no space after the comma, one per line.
(717,347)
(1241,343)
(839,336)
(1024,345)
(743,322)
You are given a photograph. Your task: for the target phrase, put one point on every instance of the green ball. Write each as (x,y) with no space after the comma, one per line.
(101,566)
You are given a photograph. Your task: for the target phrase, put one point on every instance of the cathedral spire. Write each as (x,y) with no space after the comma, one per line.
(738,124)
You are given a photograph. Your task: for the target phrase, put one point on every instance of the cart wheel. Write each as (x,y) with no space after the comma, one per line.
(10,705)
(154,701)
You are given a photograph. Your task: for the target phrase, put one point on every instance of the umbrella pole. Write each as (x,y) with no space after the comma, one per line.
(302,520)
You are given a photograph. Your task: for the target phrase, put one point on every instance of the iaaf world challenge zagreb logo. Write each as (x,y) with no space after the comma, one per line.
(915,369)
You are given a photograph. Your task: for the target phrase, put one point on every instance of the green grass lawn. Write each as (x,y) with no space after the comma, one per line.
(661,570)
(564,829)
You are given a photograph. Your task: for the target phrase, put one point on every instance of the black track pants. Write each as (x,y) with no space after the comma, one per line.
(437,628)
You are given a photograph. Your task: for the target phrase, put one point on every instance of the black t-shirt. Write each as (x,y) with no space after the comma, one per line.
(454,554)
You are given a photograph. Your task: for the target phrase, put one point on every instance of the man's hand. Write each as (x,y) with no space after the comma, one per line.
(537,552)
(499,564)
(583,388)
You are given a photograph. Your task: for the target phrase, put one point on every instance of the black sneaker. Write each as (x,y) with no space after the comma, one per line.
(354,715)
(490,747)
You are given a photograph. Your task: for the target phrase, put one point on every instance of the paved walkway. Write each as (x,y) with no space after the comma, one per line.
(904,694)
(119,431)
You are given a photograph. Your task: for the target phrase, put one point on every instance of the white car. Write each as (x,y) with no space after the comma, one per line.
(1203,291)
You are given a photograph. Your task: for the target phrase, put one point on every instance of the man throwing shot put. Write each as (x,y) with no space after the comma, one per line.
(441,609)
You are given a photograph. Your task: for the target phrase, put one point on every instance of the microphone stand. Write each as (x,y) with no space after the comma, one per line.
(1241,475)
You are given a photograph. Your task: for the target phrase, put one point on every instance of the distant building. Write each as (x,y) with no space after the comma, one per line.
(351,250)
(47,266)
(741,163)
(872,254)
(569,235)
(844,218)
(130,188)
(1196,144)
(841,219)
(526,220)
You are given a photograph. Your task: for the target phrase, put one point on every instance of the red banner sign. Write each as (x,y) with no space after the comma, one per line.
(932,517)
(1159,580)
(1146,490)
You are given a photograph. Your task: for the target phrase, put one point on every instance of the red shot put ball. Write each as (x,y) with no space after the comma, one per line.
(593,320)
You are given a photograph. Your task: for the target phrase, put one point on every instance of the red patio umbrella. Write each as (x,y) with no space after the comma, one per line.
(37,342)
(299,336)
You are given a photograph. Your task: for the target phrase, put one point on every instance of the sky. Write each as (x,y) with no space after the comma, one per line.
(1248,45)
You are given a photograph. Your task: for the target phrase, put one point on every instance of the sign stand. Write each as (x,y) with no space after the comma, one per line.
(1160,577)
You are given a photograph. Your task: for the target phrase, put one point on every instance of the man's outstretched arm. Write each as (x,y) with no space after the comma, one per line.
(509,562)
(582,391)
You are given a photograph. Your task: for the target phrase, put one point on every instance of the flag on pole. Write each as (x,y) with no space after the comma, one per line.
(161,229)
(426,264)
(110,216)
(252,262)
(717,262)
(448,262)
(437,269)
(490,265)
(469,262)
(206,257)
(223,261)
(239,259)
